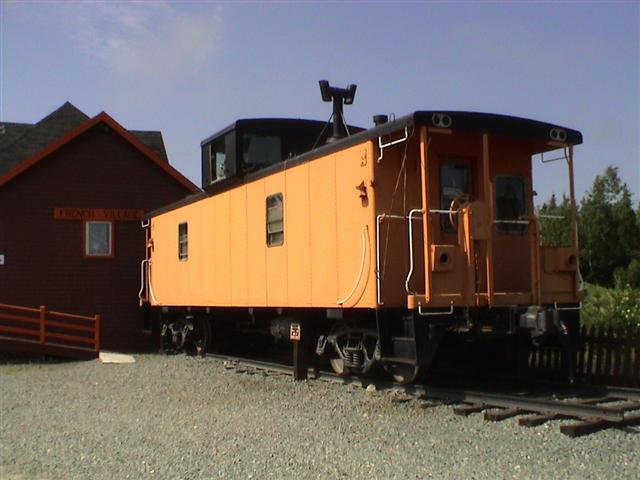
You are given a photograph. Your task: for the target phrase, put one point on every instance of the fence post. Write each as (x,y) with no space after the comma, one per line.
(607,341)
(636,343)
(96,334)
(43,316)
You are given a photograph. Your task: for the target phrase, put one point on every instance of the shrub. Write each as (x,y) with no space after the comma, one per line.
(615,307)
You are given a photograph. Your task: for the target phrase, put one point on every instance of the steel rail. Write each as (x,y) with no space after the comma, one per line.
(258,364)
(575,409)
(622,393)
(527,404)
(568,390)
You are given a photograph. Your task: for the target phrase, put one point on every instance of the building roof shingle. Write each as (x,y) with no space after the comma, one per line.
(19,141)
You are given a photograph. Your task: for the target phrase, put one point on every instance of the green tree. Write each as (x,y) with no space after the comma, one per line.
(555,222)
(609,229)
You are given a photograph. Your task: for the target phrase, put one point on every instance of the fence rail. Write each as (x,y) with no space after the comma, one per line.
(64,332)
(609,356)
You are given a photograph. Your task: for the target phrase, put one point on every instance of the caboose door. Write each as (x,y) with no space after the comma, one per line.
(513,239)
(453,184)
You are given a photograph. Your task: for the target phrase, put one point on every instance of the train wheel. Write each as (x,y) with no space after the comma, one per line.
(200,336)
(337,364)
(354,350)
(403,373)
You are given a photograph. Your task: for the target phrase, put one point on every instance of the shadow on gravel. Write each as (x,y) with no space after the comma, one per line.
(23,359)
(631,430)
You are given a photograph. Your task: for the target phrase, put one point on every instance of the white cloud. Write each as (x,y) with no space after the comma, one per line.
(144,40)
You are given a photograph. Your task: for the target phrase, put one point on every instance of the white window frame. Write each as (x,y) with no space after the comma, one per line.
(87,228)
(275,221)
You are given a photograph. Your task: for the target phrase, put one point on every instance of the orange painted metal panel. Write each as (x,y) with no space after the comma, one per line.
(398,191)
(329,250)
(277,254)
(221,251)
(206,253)
(355,223)
(298,235)
(162,262)
(324,288)
(326,219)
(238,247)
(256,244)
(171,278)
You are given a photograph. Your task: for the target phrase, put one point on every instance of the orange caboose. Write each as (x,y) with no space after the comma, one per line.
(381,240)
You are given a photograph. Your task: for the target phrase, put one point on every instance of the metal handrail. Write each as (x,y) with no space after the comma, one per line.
(365,237)
(382,146)
(444,212)
(142,272)
(153,297)
(514,222)
(555,217)
(379,219)
(378,279)
(564,156)
(408,279)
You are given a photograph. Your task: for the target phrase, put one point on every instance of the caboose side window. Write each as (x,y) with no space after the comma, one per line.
(260,151)
(217,159)
(275,220)
(510,203)
(183,241)
(454,185)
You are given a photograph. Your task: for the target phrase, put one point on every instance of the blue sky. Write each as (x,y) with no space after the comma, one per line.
(190,68)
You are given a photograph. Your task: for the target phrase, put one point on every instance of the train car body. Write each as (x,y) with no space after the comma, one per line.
(380,242)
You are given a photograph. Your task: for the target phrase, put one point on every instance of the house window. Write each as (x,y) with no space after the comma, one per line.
(98,240)
(183,241)
(510,204)
(275,220)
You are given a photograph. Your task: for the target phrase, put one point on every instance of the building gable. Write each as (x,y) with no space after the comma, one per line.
(70,232)
(153,138)
(34,138)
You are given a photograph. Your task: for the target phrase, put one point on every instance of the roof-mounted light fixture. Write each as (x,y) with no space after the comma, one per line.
(340,97)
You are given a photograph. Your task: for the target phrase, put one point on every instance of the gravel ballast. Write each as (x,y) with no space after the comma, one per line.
(188,418)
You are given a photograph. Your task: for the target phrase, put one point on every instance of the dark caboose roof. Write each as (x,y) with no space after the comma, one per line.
(507,125)
(278,123)
(468,122)
(457,121)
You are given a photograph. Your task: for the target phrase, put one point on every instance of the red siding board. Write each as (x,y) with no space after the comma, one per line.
(44,263)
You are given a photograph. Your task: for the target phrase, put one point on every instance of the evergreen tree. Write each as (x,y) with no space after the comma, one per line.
(555,232)
(609,229)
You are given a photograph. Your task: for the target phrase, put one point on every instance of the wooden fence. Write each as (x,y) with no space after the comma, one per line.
(45,331)
(610,356)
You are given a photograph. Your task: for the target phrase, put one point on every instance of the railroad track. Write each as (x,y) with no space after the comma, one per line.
(592,408)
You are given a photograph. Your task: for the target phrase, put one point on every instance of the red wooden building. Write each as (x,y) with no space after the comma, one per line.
(73,190)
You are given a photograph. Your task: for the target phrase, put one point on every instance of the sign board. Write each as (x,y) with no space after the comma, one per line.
(294,331)
(105,214)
